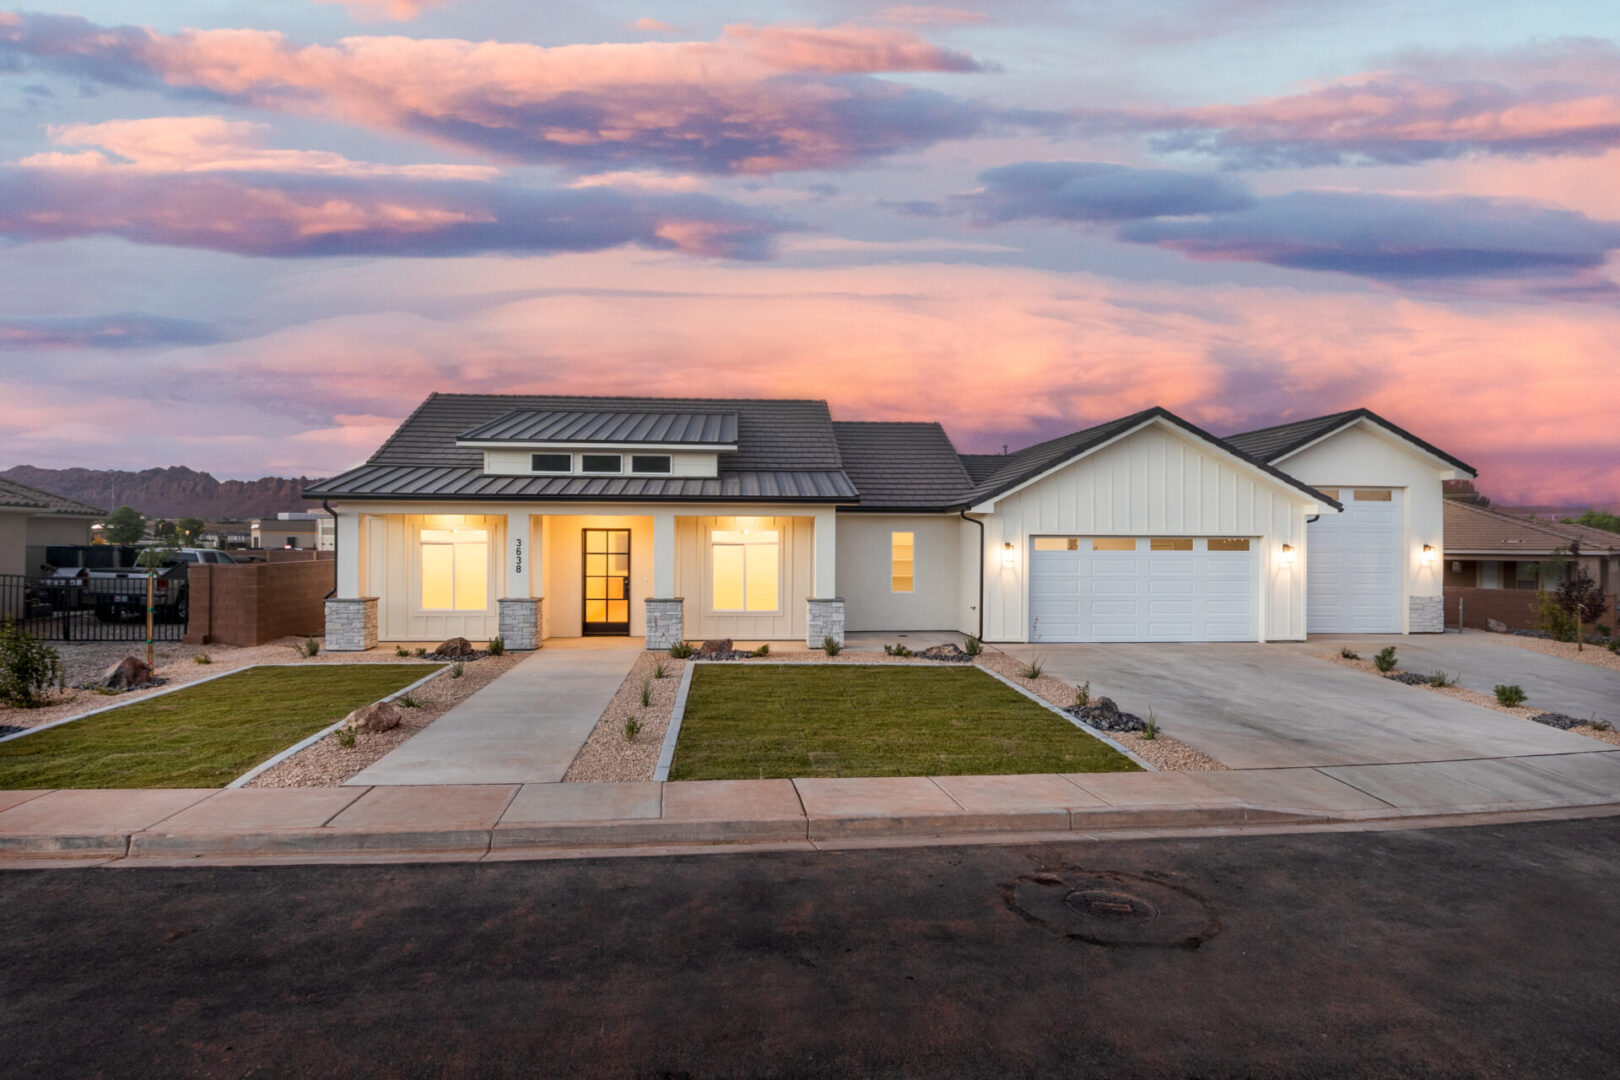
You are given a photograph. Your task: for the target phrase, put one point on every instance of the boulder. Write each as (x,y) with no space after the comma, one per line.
(1104,715)
(1496,626)
(949,652)
(378,716)
(128,672)
(457,648)
(717,647)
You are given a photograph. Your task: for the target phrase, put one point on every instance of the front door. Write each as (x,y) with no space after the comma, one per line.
(607,581)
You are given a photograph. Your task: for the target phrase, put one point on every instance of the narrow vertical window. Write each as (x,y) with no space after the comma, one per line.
(902,561)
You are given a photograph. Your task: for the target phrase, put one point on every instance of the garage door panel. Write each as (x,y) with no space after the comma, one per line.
(1144,595)
(1353,574)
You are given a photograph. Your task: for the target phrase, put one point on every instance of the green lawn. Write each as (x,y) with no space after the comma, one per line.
(761,721)
(202,736)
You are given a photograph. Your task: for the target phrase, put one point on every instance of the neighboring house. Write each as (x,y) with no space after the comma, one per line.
(294,531)
(1487,549)
(535,517)
(226,534)
(32,520)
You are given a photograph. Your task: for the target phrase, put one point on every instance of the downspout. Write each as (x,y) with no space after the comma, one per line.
(980,524)
(327,506)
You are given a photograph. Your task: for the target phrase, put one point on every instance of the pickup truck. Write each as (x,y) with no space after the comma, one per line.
(120,594)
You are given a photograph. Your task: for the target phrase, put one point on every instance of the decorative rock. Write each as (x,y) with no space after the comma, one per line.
(1410,678)
(716,646)
(1496,626)
(950,653)
(1104,715)
(1558,720)
(378,716)
(126,673)
(457,648)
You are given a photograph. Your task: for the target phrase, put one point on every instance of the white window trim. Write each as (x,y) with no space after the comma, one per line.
(551,472)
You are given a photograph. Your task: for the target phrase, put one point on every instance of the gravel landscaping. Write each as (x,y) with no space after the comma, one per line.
(609,755)
(1596,655)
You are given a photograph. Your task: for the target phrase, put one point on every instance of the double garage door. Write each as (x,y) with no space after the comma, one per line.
(1161,588)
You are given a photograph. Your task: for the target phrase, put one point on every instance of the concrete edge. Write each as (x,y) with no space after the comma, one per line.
(666,753)
(1146,765)
(310,740)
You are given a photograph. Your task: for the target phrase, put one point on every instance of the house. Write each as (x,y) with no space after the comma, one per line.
(32,520)
(294,531)
(226,535)
(1494,563)
(550,516)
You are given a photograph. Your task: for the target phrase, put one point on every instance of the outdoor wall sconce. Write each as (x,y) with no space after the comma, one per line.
(1288,555)
(1428,555)
(1009,554)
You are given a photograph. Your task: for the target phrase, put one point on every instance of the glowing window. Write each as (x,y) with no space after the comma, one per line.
(1332,493)
(455,569)
(1371,495)
(1057,543)
(1170,543)
(1229,544)
(746,564)
(1113,543)
(902,561)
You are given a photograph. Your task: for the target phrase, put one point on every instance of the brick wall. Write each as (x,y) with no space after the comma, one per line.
(1518,608)
(253,603)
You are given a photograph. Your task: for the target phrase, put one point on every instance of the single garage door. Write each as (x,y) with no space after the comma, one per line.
(1353,564)
(1161,588)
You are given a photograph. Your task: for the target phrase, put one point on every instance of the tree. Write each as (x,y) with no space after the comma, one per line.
(1598,519)
(123,526)
(165,531)
(1582,600)
(190,528)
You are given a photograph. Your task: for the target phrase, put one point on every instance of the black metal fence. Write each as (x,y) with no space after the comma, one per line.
(101,608)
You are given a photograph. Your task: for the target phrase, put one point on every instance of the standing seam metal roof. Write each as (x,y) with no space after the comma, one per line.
(576,425)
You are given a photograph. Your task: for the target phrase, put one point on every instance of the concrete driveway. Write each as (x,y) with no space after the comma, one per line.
(1482,661)
(1279,705)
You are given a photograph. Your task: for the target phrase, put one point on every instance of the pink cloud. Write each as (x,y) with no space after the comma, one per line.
(651,26)
(378,10)
(929,15)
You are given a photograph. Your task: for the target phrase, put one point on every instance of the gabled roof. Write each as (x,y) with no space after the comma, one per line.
(1275,443)
(584,426)
(982,466)
(899,465)
(22,497)
(1477,530)
(786,450)
(1025,465)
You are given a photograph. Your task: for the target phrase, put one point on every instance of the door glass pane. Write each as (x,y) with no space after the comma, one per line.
(596,565)
(1371,495)
(761,563)
(596,588)
(472,577)
(619,541)
(596,611)
(437,568)
(1170,543)
(1236,544)
(618,611)
(619,564)
(1057,543)
(728,577)
(595,540)
(1113,543)
(615,587)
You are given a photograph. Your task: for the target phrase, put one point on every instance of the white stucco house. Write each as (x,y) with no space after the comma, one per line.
(31,521)
(544,516)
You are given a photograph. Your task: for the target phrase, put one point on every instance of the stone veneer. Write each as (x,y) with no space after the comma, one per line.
(520,622)
(1426,614)
(826,621)
(351,624)
(664,623)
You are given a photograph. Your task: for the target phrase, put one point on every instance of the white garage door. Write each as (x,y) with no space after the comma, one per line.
(1353,565)
(1109,588)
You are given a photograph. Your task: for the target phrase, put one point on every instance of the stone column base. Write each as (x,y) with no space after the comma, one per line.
(826,621)
(351,624)
(520,622)
(1426,614)
(664,623)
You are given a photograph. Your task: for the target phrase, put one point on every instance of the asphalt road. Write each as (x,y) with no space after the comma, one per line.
(1487,951)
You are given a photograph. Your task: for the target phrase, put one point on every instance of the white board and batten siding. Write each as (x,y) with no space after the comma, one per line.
(1157,482)
(694,579)
(391,570)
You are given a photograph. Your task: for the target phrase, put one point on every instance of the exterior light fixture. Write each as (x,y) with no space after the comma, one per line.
(1288,555)
(1428,555)
(1009,554)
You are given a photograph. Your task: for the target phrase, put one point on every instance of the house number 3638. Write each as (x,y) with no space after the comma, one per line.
(517,556)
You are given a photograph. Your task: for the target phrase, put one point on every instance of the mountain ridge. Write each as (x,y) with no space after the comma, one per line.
(173,491)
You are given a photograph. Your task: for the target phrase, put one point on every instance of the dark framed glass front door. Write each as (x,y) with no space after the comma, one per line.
(607,581)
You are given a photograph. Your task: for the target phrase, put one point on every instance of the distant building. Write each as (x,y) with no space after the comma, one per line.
(294,531)
(32,520)
(226,535)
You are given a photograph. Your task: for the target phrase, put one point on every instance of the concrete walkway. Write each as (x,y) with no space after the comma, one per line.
(523,728)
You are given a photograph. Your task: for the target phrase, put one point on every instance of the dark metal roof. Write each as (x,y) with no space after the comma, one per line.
(983,466)
(901,465)
(1026,464)
(1273,443)
(578,425)
(785,450)
(13,494)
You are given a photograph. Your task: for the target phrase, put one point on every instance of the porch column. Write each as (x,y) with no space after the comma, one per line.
(665,622)
(825,617)
(349,555)
(519,610)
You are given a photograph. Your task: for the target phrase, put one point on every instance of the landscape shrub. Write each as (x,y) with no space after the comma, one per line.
(897,650)
(400,650)
(1033,669)
(830,646)
(973,646)
(457,670)
(497,646)
(763,650)
(1440,680)
(1349,654)
(1551,617)
(28,667)
(681,650)
(310,647)
(408,702)
(1082,695)
(202,658)
(1150,727)
(646,693)
(1509,694)
(660,670)
(632,728)
(1384,659)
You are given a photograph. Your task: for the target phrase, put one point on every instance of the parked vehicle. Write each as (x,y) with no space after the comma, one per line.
(120,594)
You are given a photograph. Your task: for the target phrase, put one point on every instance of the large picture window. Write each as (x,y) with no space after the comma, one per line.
(455,569)
(746,564)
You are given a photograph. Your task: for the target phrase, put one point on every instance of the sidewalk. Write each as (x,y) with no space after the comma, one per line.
(547,820)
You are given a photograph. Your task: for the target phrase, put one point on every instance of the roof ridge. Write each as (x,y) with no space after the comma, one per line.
(1534,524)
(627,397)
(1363,410)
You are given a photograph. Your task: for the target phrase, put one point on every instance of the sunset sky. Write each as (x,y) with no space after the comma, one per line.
(250,237)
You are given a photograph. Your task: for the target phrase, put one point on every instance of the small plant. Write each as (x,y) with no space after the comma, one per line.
(1150,729)
(418,652)
(972,646)
(646,693)
(830,645)
(1510,694)
(497,646)
(310,647)
(1553,618)
(346,736)
(660,670)
(1440,680)
(1384,659)
(400,650)
(1033,669)
(898,649)
(202,658)
(28,667)
(1349,654)
(408,702)
(763,650)
(632,728)
(682,650)
(1602,725)
(1082,695)
(1605,630)
(457,670)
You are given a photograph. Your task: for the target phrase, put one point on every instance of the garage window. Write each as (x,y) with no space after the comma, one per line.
(1057,543)
(1240,543)
(1113,543)
(1371,495)
(902,561)
(1332,493)
(1170,543)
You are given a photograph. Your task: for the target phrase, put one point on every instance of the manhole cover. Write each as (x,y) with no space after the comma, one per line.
(1111,908)
(1107,904)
